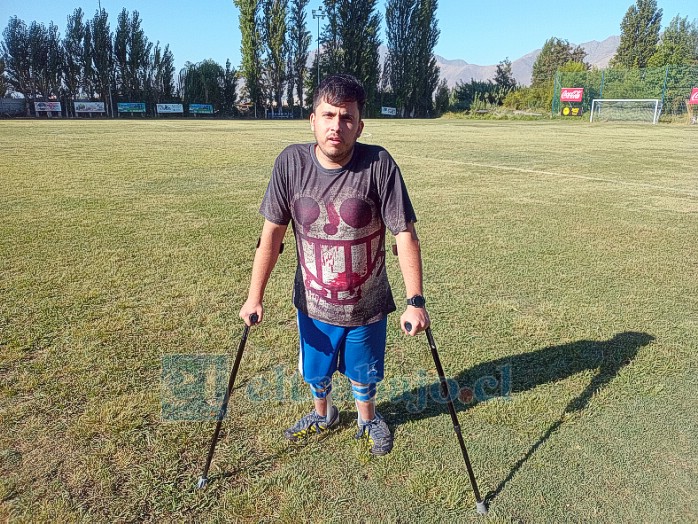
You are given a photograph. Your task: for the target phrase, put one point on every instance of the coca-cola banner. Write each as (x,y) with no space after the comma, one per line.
(694,97)
(571,94)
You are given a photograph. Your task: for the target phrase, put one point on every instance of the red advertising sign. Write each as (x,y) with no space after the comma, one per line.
(571,94)
(694,97)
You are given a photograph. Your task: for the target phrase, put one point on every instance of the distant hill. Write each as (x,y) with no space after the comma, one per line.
(598,54)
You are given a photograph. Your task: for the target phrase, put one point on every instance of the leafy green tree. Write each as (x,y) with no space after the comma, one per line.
(467,96)
(411,71)
(555,54)
(101,57)
(16,55)
(442,98)
(230,89)
(46,60)
(53,68)
(398,72)
(73,57)
(503,77)
(3,82)
(203,83)
(122,35)
(38,49)
(88,73)
(351,41)
(639,35)
(298,51)
(274,36)
(159,86)
(251,51)
(426,72)
(139,55)
(678,44)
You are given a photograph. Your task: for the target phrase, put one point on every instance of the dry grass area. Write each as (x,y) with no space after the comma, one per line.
(561,276)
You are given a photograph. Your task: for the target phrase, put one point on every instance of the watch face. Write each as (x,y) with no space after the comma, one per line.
(417,301)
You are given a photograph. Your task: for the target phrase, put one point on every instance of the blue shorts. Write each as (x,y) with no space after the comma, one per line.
(356,352)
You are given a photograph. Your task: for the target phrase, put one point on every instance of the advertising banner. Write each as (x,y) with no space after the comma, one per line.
(694,97)
(131,107)
(89,107)
(170,108)
(571,94)
(571,111)
(390,111)
(47,106)
(201,109)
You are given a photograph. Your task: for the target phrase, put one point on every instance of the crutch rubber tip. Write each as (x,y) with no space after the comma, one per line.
(202,483)
(481,508)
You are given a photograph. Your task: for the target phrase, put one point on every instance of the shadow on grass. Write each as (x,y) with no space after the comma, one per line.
(507,376)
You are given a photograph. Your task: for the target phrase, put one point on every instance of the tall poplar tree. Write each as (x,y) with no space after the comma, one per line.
(274,36)
(229,89)
(138,63)
(398,72)
(73,66)
(639,35)
(426,69)
(351,40)
(88,73)
(101,56)
(16,55)
(411,70)
(298,50)
(122,36)
(251,51)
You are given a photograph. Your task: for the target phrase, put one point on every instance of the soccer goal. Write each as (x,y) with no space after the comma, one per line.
(625,110)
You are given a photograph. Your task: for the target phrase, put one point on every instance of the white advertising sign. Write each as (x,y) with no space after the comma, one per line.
(89,107)
(170,108)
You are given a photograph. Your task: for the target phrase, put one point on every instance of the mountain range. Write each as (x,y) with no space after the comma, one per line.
(598,54)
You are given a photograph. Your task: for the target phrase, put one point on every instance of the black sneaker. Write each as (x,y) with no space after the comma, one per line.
(312,422)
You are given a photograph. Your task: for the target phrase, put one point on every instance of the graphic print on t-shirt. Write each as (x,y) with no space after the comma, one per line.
(340,246)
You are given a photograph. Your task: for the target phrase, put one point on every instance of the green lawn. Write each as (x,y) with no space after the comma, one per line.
(561,275)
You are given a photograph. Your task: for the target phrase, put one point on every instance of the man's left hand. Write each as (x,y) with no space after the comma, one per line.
(417,317)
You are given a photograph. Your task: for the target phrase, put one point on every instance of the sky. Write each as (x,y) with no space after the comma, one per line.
(482,32)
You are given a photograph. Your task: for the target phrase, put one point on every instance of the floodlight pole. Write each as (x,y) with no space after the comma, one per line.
(318,13)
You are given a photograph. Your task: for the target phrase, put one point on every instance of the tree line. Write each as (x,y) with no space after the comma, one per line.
(92,62)
(642,45)
(276,47)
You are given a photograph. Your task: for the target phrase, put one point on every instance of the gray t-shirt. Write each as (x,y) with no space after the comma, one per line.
(339,218)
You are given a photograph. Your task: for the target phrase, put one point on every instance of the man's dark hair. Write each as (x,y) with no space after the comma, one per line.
(340,89)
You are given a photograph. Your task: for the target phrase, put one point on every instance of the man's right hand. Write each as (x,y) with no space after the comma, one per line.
(250,308)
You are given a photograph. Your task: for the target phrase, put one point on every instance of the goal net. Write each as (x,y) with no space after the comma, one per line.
(625,110)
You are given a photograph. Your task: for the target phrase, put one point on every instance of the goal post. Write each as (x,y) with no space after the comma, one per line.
(626,110)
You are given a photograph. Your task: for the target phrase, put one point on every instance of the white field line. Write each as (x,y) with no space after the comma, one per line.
(559,175)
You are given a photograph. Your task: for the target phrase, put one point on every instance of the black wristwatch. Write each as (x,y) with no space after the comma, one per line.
(416,301)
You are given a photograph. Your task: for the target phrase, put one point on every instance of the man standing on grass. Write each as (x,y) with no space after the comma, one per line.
(340,197)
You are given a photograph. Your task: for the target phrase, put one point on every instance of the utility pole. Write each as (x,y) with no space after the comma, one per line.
(318,13)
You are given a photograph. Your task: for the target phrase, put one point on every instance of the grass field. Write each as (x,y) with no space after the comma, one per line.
(561,276)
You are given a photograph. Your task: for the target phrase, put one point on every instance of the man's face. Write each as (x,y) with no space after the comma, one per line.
(336,130)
